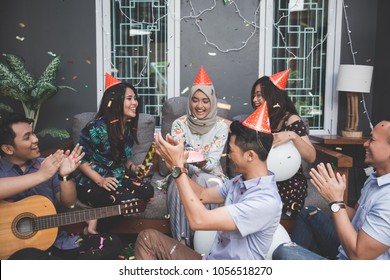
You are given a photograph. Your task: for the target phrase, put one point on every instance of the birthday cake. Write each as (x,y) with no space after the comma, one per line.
(195,156)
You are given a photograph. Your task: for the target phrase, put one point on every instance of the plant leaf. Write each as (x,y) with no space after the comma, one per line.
(5,107)
(55,133)
(50,73)
(42,91)
(6,74)
(10,89)
(16,64)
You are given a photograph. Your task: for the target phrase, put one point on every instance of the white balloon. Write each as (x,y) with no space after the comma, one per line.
(203,240)
(280,236)
(284,161)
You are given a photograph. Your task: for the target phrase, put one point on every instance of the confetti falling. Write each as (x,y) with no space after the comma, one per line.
(20,38)
(51,53)
(185,90)
(212,54)
(173,249)
(21,25)
(88,60)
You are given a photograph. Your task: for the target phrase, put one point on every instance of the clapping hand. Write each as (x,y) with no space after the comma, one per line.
(71,160)
(51,163)
(170,150)
(330,185)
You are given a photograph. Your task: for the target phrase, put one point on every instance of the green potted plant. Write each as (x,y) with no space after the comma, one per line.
(18,84)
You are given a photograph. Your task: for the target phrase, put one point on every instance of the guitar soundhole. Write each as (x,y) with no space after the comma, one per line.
(22,226)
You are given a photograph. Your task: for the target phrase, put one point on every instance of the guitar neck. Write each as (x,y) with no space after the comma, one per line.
(73,217)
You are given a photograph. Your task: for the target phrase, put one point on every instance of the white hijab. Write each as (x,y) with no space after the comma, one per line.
(206,124)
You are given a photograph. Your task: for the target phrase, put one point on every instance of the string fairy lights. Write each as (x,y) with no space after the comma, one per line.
(353,53)
(244,43)
(196,16)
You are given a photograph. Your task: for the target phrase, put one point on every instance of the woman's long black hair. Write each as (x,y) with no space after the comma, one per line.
(111,109)
(278,101)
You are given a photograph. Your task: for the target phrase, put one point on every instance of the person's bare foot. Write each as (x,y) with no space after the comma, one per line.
(91,227)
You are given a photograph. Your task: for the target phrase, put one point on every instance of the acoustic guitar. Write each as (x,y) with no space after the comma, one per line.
(33,221)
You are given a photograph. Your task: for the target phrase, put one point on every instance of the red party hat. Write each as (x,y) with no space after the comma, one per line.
(202,78)
(111,81)
(280,79)
(259,120)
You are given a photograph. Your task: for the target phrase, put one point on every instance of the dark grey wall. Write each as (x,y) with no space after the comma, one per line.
(361,16)
(66,28)
(381,93)
(232,73)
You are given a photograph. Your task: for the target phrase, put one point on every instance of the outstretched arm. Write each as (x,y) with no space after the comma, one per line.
(11,186)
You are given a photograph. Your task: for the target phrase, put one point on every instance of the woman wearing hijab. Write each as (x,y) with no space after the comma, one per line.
(205,133)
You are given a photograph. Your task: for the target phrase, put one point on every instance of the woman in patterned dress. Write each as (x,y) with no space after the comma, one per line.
(204,131)
(286,125)
(107,174)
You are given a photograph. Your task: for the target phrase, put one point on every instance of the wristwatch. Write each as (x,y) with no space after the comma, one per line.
(177,171)
(65,178)
(335,206)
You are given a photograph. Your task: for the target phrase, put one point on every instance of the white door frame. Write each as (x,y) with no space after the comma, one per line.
(333,41)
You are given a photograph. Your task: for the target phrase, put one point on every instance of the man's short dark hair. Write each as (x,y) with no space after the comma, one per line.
(7,135)
(249,139)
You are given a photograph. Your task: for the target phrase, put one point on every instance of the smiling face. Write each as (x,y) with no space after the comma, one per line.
(130,104)
(25,145)
(378,148)
(200,105)
(257,97)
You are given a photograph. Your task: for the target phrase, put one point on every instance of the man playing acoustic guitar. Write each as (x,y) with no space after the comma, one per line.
(24,174)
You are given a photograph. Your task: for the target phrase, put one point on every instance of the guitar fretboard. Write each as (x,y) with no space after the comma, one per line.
(73,217)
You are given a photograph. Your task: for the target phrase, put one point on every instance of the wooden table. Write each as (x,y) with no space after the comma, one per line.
(337,140)
(348,159)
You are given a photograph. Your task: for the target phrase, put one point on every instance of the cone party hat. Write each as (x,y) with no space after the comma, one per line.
(280,79)
(111,81)
(259,120)
(202,78)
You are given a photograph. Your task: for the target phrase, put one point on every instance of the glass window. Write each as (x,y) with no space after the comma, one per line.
(139,50)
(299,43)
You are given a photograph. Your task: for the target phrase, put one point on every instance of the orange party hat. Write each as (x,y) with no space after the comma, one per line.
(111,81)
(280,79)
(259,120)
(202,78)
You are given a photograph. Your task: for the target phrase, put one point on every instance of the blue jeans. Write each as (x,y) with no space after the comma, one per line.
(292,251)
(314,230)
